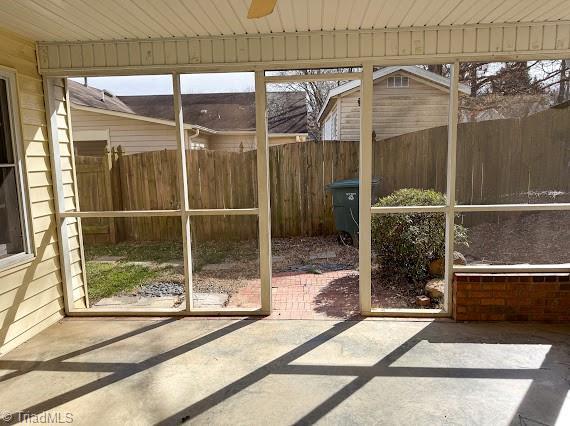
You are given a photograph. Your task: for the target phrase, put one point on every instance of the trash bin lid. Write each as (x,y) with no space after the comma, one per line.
(349,183)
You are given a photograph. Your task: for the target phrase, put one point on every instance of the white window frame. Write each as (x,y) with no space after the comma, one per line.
(28,252)
(334,128)
(391,82)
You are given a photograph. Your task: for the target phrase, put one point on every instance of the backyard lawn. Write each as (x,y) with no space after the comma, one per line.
(138,269)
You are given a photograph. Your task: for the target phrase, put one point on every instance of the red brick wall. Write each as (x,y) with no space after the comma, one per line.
(511,297)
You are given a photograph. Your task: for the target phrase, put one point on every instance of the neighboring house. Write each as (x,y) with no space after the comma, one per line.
(406,99)
(215,121)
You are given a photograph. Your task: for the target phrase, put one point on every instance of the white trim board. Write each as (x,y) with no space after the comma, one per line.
(481,42)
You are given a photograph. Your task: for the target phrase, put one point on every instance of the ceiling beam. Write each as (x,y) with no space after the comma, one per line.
(310,49)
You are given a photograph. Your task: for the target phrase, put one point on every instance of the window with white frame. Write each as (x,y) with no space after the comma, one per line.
(14,235)
(398,81)
(329,128)
(327,131)
(334,133)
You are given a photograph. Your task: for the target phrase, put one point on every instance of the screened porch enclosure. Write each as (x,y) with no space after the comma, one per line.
(175,246)
(389,47)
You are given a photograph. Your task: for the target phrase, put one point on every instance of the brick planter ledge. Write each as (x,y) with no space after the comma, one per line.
(511,297)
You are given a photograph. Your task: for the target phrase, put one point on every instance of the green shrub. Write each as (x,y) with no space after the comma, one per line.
(406,243)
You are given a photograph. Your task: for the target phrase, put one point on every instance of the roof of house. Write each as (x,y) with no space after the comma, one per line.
(96,98)
(383,72)
(287,111)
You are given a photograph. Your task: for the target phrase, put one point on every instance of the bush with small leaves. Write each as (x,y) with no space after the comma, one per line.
(405,243)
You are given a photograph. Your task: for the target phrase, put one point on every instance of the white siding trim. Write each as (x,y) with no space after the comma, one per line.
(470,42)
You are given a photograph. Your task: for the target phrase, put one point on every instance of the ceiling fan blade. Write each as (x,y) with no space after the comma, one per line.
(260,8)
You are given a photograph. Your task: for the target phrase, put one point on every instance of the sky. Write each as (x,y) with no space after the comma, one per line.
(162,84)
(195,83)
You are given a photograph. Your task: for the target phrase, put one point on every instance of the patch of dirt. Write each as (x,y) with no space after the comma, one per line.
(309,255)
(239,266)
(289,255)
(243,256)
(520,237)
(392,291)
(303,253)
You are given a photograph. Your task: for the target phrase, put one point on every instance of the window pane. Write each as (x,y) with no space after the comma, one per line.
(11,239)
(225,262)
(408,260)
(5,134)
(409,121)
(314,207)
(222,147)
(514,132)
(134,263)
(507,238)
(124,143)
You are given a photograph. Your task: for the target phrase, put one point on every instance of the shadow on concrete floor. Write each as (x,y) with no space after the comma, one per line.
(541,404)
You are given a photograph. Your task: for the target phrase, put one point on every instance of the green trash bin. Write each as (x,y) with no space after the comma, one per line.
(345,207)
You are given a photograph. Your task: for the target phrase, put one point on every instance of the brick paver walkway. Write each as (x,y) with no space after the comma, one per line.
(298,295)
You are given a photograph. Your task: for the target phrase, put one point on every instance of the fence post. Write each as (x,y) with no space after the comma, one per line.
(116,175)
(117,183)
(107,170)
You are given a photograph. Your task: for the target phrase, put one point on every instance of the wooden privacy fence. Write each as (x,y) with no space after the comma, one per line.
(499,161)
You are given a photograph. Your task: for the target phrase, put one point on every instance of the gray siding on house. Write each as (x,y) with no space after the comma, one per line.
(396,110)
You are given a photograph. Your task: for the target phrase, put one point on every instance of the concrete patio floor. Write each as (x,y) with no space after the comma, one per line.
(245,371)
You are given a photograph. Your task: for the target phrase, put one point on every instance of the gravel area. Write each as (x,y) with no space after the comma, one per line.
(161,289)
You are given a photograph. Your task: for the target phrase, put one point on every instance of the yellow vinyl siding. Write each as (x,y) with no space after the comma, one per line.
(396,111)
(131,134)
(282,140)
(135,135)
(233,143)
(67,161)
(31,294)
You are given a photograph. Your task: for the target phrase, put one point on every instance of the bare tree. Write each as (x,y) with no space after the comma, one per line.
(564,86)
(316,93)
(499,83)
